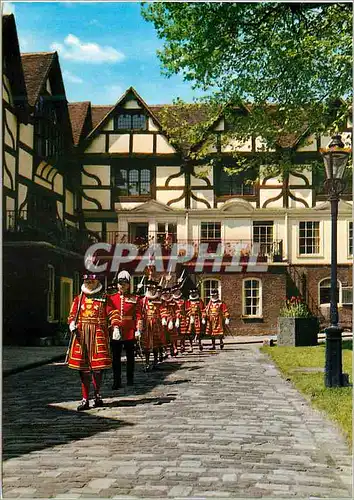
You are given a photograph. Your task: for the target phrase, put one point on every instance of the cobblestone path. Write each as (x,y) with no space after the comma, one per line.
(218,424)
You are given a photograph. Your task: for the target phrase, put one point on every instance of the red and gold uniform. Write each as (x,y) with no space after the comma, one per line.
(216,313)
(169,311)
(152,336)
(90,348)
(194,310)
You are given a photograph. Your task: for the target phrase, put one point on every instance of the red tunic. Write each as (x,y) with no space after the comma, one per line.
(168,313)
(216,313)
(181,315)
(152,334)
(194,310)
(125,312)
(91,351)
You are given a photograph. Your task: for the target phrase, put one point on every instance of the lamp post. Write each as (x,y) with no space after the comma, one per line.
(335,159)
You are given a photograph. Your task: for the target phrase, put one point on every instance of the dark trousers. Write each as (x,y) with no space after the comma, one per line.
(117,346)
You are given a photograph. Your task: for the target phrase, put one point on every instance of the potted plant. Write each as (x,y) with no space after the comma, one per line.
(296,324)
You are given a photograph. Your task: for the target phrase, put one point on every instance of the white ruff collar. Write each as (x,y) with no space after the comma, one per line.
(215,300)
(86,291)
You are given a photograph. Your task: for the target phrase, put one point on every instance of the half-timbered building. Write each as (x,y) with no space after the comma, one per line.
(123,180)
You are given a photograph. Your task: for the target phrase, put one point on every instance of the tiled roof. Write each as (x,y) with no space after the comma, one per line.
(98,113)
(35,68)
(78,113)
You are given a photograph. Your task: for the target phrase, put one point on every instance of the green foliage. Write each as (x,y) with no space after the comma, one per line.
(296,56)
(295,307)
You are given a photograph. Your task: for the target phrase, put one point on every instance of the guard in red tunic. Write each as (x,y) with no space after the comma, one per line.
(181,320)
(125,320)
(194,311)
(216,316)
(89,346)
(151,339)
(168,320)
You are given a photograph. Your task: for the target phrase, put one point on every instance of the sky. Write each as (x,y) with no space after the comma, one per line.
(104,48)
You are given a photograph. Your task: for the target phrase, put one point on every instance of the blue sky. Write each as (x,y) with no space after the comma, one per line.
(104,48)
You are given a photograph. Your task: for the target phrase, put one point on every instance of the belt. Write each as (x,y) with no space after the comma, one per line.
(93,321)
(126,318)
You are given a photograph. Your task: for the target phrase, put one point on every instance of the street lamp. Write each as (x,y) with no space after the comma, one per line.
(335,158)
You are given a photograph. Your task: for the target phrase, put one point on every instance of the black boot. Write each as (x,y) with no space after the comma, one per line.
(84,405)
(221,344)
(116,385)
(97,403)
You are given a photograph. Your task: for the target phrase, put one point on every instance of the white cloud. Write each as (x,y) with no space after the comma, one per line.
(8,8)
(69,77)
(76,50)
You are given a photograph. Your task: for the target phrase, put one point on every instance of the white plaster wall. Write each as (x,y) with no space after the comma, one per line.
(26,134)
(119,143)
(203,195)
(42,182)
(109,125)
(325,140)
(112,226)
(48,87)
(131,104)
(266,194)
(151,125)
(10,163)
(103,172)
(237,229)
(126,206)
(25,164)
(22,194)
(69,202)
(143,143)
(293,179)
(303,194)
(237,146)
(163,173)
(166,196)
(12,124)
(201,169)
(94,226)
(58,184)
(182,230)
(310,144)
(101,195)
(60,209)
(97,145)
(163,146)
(261,145)
(6,95)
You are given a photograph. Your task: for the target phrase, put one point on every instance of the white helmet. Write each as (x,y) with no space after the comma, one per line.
(123,276)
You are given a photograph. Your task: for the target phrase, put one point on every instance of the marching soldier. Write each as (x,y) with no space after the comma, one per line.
(89,345)
(194,310)
(151,314)
(125,319)
(181,323)
(216,316)
(168,319)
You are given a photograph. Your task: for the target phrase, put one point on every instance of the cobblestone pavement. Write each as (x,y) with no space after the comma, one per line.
(218,424)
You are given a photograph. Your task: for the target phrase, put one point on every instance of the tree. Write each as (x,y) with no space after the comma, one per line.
(290,64)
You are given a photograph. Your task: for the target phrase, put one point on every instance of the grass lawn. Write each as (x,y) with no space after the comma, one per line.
(336,402)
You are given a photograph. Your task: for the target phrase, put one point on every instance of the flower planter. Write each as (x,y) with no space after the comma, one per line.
(297,331)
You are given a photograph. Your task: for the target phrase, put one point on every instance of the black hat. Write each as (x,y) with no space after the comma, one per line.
(166,290)
(159,287)
(214,291)
(194,290)
(151,283)
(176,287)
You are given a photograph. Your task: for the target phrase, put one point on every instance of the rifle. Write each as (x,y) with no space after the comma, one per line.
(73,332)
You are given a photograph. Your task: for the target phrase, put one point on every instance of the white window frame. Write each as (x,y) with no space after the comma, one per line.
(244,313)
(209,238)
(51,294)
(349,289)
(203,288)
(268,244)
(310,255)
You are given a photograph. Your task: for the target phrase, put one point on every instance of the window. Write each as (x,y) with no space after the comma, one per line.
(207,287)
(210,231)
(263,234)
(133,182)
(347,295)
(134,285)
(350,238)
(48,136)
(309,238)
(166,233)
(325,291)
(51,294)
(252,298)
(236,184)
(130,121)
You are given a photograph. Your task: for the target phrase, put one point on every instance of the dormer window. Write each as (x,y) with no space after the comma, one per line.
(130,121)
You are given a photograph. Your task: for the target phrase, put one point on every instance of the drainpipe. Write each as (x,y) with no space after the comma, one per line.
(286,238)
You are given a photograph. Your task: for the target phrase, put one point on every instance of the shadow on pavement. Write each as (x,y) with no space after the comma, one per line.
(34,415)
